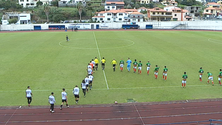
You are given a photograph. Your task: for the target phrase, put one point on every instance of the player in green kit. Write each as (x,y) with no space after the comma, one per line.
(210,77)
(140,67)
(184,81)
(201,71)
(165,73)
(121,64)
(148,67)
(135,65)
(156,71)
(220,76)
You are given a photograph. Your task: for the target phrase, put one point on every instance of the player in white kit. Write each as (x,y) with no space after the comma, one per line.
(76,93)
(52,102)
(64,98)
(28,94)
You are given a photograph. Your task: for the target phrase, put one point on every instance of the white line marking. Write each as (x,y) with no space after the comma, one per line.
(156,87)
(214,41)
(11,116)
(139,114)
(107,86)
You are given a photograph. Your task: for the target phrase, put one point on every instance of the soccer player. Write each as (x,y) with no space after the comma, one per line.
(87,83)
(93,62)
(140,67)
(121,64)
(135,65)
(28,94)
(156,70)
(76,93)
(89,71)
(90,81)
(128,64)
(114,64)
(201,71)
(165,73)
(220,76)
(52,102)
(67,38)
(89,66)
(210,77)
(96,63)
(83,85)
(64,99)
(184,81)
(148,67)
(103,61)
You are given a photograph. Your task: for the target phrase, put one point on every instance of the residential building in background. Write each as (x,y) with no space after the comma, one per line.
(23,18)
(121,15)
(158,14)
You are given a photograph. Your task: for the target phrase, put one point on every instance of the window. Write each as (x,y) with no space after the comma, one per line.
(120,14)
(108,7)
(158,13)
(120,18)
(175,14)
(21,0)
(95,18)
(113,6)
(101,14)
(162,13)
(109,14)
(108,18)
(153,13)
(101,18)
(27,0)
(206,10)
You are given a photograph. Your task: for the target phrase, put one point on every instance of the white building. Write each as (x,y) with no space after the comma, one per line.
(32,3)
(23,18)
(122,15)
(114,5)
(28,3)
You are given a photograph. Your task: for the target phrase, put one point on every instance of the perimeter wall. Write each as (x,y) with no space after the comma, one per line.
(189,25)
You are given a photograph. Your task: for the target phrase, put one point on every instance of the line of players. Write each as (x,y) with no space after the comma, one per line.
(210,76)
(138,65)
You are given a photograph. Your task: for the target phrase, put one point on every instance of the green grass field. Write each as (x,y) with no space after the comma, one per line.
(46,62)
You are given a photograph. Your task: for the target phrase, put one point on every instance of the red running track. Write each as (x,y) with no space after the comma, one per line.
(183,113)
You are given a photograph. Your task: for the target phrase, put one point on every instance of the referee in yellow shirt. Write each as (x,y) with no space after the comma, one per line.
(96,63)
(103,61)
(114,64)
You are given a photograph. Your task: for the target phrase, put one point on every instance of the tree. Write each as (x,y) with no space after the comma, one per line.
(128,6)
(39,3)
(47,11)
(13,20)
(80,8)
(55,3)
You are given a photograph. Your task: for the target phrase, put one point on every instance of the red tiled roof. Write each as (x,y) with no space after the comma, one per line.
(115,2)
(156,10)
(136,13)
(212,3)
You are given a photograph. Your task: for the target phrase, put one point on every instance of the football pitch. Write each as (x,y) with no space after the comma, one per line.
(47,63)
